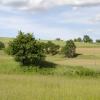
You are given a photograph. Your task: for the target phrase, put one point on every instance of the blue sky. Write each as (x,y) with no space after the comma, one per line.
(49,19)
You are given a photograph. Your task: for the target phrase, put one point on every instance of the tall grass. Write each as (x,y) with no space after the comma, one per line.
(38,87)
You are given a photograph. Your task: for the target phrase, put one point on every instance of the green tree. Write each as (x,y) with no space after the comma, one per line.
(87,39)
(69,49)
(26,49)
(2,45)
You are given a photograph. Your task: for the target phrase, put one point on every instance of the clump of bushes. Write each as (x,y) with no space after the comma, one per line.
(2,45)
(69,49)
(26,49)
(51,48)
(87,39)
(78,39)
(98,41)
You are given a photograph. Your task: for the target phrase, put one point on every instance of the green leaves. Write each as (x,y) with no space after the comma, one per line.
(51,48)
(2,45)
(87,39)
(69,49)
(26,49)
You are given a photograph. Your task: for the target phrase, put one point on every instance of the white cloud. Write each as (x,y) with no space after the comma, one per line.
(45,4)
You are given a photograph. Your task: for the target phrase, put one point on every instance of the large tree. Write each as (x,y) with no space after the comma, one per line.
(26,49)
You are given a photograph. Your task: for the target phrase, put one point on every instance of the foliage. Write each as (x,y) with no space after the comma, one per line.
(51,48)
(69,49)
(26,49)
(58,39)
(78,39)
(87,39)
(97,41)
(2,45)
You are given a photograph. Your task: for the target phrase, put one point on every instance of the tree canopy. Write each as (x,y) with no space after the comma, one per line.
(26,49)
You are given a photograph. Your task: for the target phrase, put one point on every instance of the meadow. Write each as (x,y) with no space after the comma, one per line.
(66,79)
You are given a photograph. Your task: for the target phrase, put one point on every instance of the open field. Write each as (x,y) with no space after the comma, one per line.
(54,83)
(23,87)
(89,57)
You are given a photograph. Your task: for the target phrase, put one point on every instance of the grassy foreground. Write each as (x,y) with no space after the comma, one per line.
(22,87)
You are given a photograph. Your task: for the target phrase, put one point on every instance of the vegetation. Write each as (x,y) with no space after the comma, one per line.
(69,49)
(2,45)
(26,49)
(97,41)
(59,66)
(62,78)
(87,39)
(58,39)
(51,48)
(78,39)
(38,87)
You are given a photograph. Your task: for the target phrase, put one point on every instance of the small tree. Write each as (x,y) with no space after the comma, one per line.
(87,39)
(2,45)
(26,49)
(69,49)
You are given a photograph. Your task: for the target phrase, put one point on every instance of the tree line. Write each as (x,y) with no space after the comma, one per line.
(85,39)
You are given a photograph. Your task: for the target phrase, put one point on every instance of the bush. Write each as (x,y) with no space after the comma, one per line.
(58,39)
(51,48)
(2,45)
(69,49)
(78,40)
(87,39)
(97,41)
(26,49)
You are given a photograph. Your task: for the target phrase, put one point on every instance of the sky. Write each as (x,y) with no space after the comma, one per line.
(50,19)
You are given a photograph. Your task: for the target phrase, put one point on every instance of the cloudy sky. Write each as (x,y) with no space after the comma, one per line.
(49,19)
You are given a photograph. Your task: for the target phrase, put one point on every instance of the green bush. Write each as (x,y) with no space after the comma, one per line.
(78,39)
(98,41)
(2,45)
(26,49)
(87,39)
(69,49)
(51,48)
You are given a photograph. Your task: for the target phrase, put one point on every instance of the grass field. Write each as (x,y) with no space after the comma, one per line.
(69,79)
(22,87)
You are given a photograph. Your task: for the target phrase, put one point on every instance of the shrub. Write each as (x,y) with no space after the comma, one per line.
(26,49)
(87,39)
(2,45)
(69,49)
(58,39)
(51,48)
(78,40)
(97,41)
